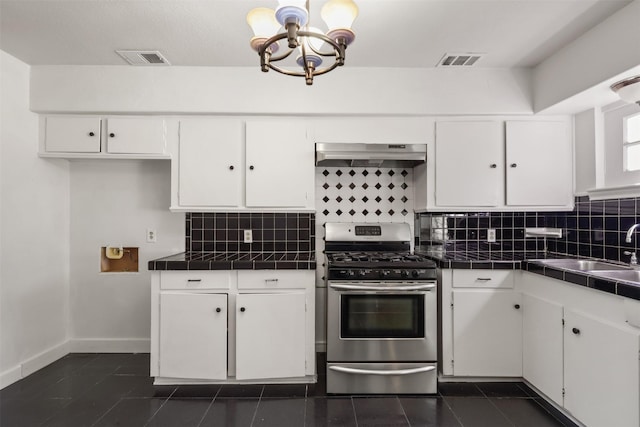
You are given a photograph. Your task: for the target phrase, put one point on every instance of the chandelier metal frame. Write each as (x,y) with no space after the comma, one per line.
(293,17)
(267,57)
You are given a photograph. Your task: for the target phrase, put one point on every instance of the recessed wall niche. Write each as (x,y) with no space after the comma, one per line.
(118,259)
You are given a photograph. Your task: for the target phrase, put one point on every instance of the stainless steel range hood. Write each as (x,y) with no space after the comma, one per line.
(370,155)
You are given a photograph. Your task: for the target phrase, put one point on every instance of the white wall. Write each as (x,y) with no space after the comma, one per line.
(113,202)
(585,125)
(601,54)
(348,90)
(34,236)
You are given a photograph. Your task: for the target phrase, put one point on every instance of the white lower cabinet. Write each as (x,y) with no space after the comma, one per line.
(232,326)
(270,335)
(193,335)
(487,333)
(601,372)
(586,363)
(542,345)
(483,316)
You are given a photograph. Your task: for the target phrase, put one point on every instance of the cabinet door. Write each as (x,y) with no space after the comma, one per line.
(487,333)
(280,165)
(539,164)
(136,135)
(542,346)
(210,166)
(72,135)
(193,335)
(270,335)
(602,377)
(469,164)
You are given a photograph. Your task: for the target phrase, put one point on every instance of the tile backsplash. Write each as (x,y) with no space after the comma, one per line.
(358,194)
(224,232)
(594,229)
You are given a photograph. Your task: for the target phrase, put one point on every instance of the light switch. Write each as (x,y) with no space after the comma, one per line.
(248,236)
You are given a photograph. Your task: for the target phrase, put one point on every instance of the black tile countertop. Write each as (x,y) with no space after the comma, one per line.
(477,260)
(236,261)
(527,261)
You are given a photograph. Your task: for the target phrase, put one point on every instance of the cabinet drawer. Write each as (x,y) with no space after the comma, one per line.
(483,278)
(195,280)
(275,279)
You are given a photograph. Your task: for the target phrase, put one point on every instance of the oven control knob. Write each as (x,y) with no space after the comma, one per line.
(361,273)
(415,273)
(404,273)
(383,273)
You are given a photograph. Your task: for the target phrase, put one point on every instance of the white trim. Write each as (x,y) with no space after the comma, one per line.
(33,364)
(109,345)
(10,376)
(614,192)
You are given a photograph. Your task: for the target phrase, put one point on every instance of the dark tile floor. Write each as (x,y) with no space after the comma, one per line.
(116,390)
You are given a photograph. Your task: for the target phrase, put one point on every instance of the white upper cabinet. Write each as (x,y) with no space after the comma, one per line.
(539,164)
(105,137)
(493,165)
(210,162)
(469,167)
(280,165)
(136,135)
(72,134)
(224,163)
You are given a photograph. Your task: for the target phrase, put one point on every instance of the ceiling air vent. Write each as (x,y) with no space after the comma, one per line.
(143,57)
(459,59)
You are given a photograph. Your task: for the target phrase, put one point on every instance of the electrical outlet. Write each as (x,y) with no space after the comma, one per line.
(151,235)
(491,235)
(248,236)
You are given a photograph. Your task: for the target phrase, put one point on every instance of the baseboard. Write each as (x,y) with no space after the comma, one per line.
(10,376)
(33,364)
(108,345)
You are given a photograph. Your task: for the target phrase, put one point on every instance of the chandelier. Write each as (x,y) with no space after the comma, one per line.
(290,21)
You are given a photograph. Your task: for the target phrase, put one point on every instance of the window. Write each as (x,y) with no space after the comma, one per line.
(631,143)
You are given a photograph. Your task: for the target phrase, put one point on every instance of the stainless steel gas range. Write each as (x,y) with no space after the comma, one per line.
(381,311)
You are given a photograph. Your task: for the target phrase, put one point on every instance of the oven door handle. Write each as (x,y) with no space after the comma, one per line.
(382,372)
(421,287)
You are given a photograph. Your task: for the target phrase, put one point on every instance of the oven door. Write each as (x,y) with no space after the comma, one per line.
(369,322)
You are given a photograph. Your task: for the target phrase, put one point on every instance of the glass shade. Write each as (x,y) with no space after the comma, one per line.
(292,11)
(315,43)
(339,13)
(263,22)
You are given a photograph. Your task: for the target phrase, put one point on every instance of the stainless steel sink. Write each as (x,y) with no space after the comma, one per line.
(582,265)
(628,275)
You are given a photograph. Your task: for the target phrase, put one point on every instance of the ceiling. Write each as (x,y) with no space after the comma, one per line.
(389,33)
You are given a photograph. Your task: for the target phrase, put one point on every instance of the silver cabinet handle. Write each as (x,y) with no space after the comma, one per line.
(194,280)
(382,372)
(483,279)
(428,287)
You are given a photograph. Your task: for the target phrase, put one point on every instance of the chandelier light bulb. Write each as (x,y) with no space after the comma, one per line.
(339,14)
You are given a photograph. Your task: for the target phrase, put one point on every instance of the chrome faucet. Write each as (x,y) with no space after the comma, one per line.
(634,260)
(630,232)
